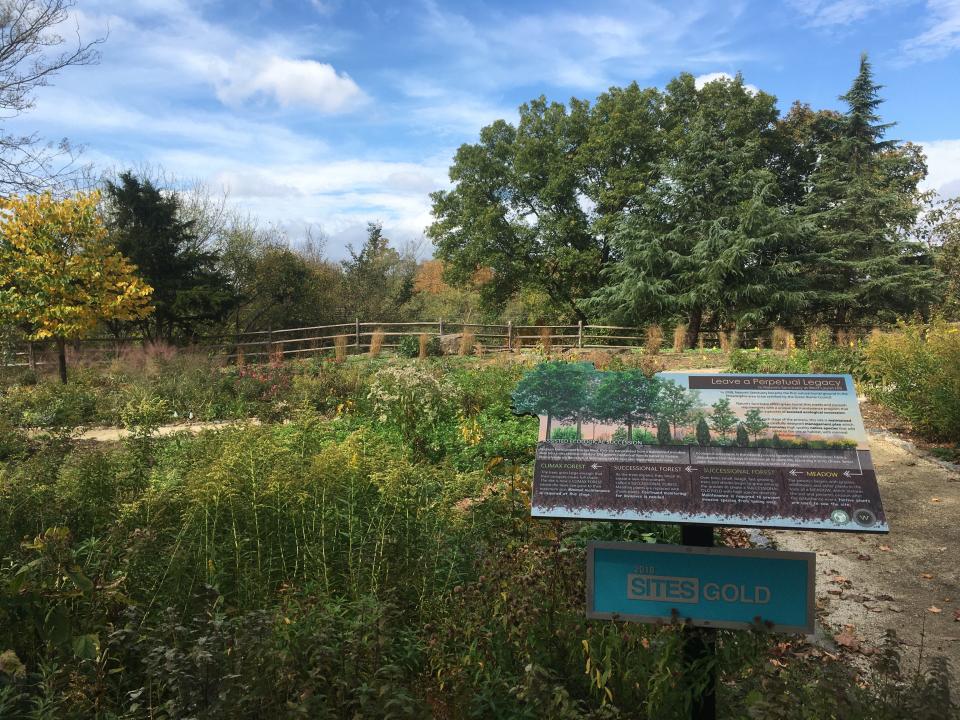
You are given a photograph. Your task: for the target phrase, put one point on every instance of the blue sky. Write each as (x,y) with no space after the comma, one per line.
(333,113)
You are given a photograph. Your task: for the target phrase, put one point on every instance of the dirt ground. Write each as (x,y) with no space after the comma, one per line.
(908,580)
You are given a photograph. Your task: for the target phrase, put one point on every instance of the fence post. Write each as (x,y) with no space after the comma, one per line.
(269,343)
(441,328)
(579,334)
(510,335)
(356,333)
(31,356)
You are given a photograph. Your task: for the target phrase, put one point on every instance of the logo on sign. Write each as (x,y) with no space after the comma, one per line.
(663,588)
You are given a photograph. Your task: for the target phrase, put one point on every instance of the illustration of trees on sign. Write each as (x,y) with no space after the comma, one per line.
(557,390)
(675,404)
(723,419)
(754,423)
(624,396)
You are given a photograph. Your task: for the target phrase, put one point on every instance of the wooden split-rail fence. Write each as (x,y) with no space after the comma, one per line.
(358,337)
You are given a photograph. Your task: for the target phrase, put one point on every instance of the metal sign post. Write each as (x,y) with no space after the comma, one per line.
(701,643)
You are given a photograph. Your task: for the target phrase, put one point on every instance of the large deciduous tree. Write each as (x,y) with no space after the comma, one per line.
(709,237)
(863,203)
(517,207)
(30,54)
(59,274)
(190,290)
(940,230)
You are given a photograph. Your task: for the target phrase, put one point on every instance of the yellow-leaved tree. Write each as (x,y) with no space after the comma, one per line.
(59,275)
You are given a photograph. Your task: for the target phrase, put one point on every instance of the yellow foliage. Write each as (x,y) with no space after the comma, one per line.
(59,274)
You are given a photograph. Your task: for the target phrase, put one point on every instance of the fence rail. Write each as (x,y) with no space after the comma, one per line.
(359,337)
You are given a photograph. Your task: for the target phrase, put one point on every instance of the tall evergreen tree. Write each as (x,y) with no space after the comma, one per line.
(862,204)
(189,290)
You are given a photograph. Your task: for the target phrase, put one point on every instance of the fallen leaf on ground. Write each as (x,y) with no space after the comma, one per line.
(847,639)
(885,548)
(956,615)
(935,500)
(884,597)
(839,579)
(894,608)
(934,609)
(863,556)
(835,592)
(926,576)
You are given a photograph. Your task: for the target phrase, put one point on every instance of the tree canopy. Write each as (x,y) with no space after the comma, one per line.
(190,290)
(59,274)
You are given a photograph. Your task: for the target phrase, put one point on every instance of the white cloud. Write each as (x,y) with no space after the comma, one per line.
(587,52)
(943,165)
(833,13)
(701,80)
(290,82)
(942,35)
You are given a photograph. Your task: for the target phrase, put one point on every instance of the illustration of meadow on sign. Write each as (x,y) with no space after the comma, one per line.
(577,402)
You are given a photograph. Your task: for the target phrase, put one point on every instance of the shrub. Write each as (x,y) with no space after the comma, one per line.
(916,371)
(409,400)
(409,346)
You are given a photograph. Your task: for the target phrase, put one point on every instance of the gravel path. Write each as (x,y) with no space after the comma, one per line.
(909,580)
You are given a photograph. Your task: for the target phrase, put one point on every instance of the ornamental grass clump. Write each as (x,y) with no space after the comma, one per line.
(782,339)
(376,342)
(340,348)
(679,337)
(546,339)
(653,339)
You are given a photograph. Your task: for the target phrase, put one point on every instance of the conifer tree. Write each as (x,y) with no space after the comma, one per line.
(861,206)
(709,239)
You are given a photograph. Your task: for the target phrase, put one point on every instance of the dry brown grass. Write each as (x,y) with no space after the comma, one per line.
(845,338)
(145,358)
(467,342)
(653,339)
(340,348)
(424,341)
(782,339)
(276,354)
(546,339)
(679,337)
(376,342)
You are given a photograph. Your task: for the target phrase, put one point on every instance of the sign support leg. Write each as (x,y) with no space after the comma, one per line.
(701,642)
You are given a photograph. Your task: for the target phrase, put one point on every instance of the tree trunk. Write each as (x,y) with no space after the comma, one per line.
(693,327)
(62,359)
(579,428)
(629,428)
(32,356)
(548,427)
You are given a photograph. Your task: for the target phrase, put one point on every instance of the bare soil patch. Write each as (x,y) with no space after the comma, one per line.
(907,581)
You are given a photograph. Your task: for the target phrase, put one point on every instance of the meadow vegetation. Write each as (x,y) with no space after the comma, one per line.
(366,551)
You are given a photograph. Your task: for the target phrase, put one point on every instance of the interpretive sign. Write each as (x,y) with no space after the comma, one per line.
(786,451)
(708,587)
